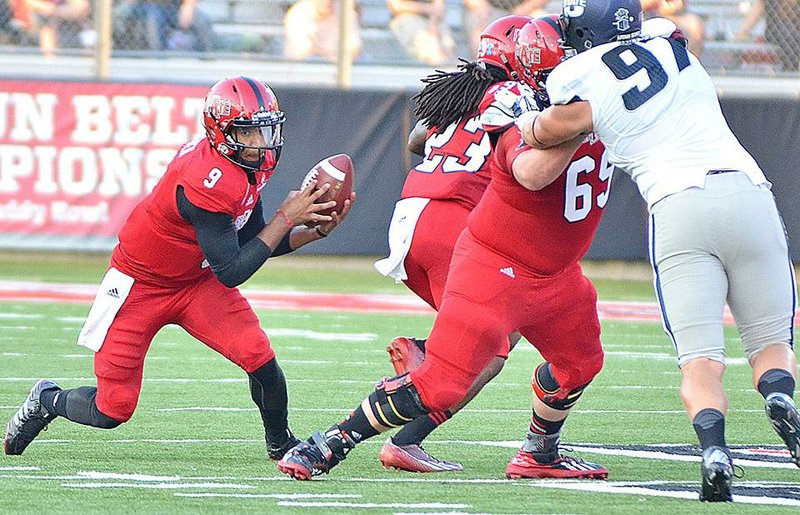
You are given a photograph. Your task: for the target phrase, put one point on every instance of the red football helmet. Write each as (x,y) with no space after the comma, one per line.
(497,43)
(243,102)
(538,51)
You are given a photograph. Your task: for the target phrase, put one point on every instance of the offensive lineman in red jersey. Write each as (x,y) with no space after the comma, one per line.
(185,247)
(515,266)
(437,197)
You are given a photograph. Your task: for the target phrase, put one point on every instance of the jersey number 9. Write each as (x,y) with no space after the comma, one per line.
(639,58)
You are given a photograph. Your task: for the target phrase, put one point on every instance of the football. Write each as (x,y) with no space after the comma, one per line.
(338,172)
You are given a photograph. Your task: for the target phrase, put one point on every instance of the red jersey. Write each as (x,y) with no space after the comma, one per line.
(456,165)
(548,230)
(156,245)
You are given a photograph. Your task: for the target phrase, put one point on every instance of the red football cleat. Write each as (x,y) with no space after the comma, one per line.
(525,466)
(413,458)
(405,354)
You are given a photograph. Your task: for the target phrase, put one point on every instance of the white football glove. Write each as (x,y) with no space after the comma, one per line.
(508,104)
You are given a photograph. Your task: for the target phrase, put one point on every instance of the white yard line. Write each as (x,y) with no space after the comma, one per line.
(639,488)
(160,486)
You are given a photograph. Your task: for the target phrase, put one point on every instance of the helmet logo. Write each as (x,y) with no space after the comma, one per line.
(531,56)
(574,8)
(219,106)
(536,56)
(622,19)
(488,47)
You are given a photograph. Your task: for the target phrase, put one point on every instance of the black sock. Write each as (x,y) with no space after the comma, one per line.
(357,426)
(776,380)
(78,405)
(709,424)
(268,391)
(543,426)
(48,399)
(417,430)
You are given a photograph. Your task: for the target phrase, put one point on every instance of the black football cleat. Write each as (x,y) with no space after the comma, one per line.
(276,451)
(316,456)
(783,415)
(29,420)
(716,470)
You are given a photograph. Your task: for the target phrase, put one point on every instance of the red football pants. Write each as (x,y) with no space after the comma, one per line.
(486,298)
(428,259)
(218,316)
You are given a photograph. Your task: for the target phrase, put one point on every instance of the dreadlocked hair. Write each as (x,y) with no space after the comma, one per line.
(451,96)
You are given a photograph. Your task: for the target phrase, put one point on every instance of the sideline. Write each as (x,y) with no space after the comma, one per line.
(71,293)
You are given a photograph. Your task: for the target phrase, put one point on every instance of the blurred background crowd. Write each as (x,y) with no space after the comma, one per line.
(752,37)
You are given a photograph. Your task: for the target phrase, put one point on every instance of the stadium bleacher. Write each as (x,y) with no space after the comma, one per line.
(240,23)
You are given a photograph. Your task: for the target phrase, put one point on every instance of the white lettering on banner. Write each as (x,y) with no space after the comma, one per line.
(133,120)
(62,212)
(16,162)
(129,111)
(32,118)
(163,132)
(77,170)
(120,171)
(45,180)
(92,119)
(106,171)
(25,211)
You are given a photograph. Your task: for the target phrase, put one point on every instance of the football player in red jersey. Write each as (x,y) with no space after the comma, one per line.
(185,247)
(514,267)
(438,195)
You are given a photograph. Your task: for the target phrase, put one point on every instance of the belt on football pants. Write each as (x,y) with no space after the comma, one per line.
(716,172)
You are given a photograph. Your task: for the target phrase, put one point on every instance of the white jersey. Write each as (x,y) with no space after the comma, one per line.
(656,110)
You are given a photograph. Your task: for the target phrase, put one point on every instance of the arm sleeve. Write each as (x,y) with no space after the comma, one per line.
(219,242)
(254,224)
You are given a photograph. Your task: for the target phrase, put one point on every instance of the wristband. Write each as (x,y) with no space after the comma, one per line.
(289,222)
(533,132)
(319,231)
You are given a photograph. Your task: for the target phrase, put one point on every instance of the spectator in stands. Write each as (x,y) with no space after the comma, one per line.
(691,24)
(6,27)
(479,13)
(421,28)
(782,28)
(167,22)
(53,21)
(312,28)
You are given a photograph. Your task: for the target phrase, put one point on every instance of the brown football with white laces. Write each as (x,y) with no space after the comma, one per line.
(338,172)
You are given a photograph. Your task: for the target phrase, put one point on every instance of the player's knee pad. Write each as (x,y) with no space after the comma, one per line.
(394,402)
(549,391)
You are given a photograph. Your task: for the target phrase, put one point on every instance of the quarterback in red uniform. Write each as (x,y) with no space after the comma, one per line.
(185,247)
(437,198)
(515,267)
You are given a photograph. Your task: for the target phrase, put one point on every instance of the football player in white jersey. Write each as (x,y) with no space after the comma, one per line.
(715,234)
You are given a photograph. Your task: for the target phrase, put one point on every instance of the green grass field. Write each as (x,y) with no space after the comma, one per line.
(195,444)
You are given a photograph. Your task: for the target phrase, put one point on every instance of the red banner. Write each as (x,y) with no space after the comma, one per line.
(75,158)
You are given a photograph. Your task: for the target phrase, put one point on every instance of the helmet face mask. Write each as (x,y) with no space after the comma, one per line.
(497,43)
(538,51)
(252,140)
(589,23)
(244,124)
